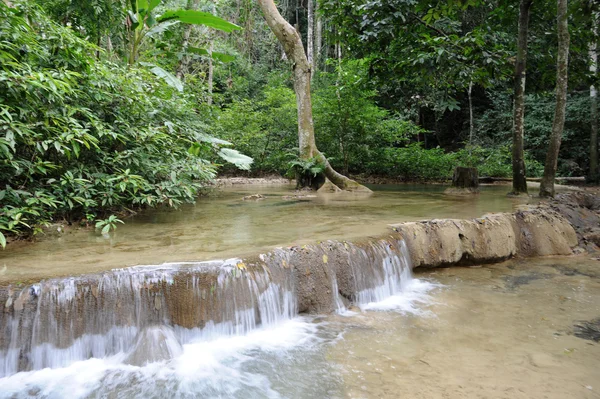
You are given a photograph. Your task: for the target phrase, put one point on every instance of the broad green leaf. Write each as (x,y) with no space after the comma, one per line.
(161,27)
(222,57)
(215,54)
(106,229)
(152,4)
(235,157)
(213,140)
(2,240)
(197,50)
(198,18)
(166,76)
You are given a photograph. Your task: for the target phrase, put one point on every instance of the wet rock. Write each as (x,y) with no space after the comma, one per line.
(154,344)
(492,238)
(513,282)
(255,197)
(582,210)
(589,330)
(298,196)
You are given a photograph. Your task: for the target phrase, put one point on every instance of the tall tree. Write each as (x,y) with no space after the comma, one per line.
(593,55)
(183,63)
(318,39)
(292,44)
(310,36)
(518,157)
(547,185)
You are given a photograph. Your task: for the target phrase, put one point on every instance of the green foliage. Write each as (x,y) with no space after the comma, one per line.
(494,127)
(350,127)
(108,224)
(264,128)
(142,22)
(311,167)
(80,136)
(413,162)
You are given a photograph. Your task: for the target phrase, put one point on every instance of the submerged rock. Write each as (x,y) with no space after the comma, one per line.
(255,197)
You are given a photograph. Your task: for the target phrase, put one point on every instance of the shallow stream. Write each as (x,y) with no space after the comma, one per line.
(501,331)
(223,225)
(519,329)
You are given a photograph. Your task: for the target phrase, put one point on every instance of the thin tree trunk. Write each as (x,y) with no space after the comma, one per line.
(182,67)
(547,185)
(310,42)
(291,42)
(593,175)
(318,40)
(210,74)
(210,60)
(518,152)
(471,124)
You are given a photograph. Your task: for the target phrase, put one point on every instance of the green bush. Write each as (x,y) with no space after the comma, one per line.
(413,162)
(81,138)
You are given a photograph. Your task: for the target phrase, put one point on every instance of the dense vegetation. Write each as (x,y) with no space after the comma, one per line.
(105,107)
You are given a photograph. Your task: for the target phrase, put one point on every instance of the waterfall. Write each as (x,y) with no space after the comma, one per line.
(389,274)
(60,321)
(146,313)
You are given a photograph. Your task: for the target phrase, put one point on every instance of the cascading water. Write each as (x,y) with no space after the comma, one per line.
(177,316)
(389,275)
(58,322)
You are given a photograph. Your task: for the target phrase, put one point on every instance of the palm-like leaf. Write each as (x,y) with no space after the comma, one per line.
(198,18)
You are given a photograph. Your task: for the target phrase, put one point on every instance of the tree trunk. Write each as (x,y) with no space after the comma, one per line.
(292,44)
(547,185)
(464,181)
(318,40)
(210,60)
(211,69)
(519,185)
(593,175)
(465,178)
(471,124)
(182,67)
(310,42)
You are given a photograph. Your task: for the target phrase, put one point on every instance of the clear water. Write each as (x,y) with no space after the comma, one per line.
(501,331)
(222,225)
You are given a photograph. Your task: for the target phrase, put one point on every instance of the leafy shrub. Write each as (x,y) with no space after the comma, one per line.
(413,162)
(84,137)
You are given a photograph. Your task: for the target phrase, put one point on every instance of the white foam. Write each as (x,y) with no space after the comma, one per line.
(414,292)
(213,367)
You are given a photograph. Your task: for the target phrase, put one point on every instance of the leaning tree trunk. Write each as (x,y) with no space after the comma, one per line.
(593,175)
(292,44)
(547,185)
(518,157)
